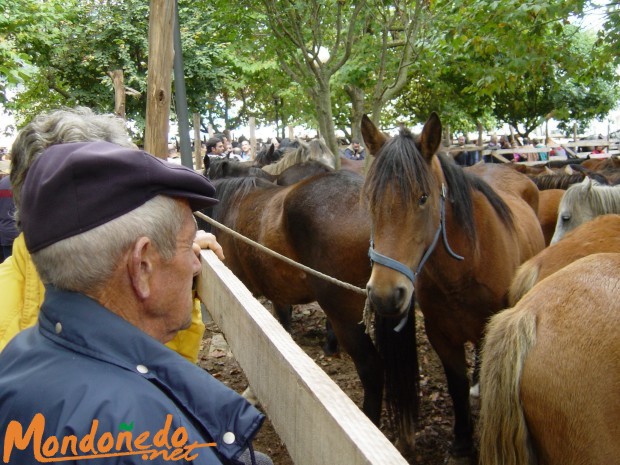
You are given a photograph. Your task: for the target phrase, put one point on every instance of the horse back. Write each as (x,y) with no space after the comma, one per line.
(600,235)
(504,179)
(329,227)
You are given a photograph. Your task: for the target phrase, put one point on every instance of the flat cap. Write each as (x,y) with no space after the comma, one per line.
(73,188)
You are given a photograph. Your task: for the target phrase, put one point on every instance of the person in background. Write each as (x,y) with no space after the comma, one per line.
(355,151)
(22,289)
(215,148)
(8,230)
(246,151)
(542,155)
(492,145)
(559,152)
(599,149)
(106,317)
(465,157)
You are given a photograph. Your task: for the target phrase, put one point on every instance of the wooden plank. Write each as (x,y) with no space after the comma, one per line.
(317,421)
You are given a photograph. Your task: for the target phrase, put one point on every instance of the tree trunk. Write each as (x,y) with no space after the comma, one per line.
(252,137)
(357,111)
(480,130)
(197,144)
(323,104)
(118,81)
(161,18)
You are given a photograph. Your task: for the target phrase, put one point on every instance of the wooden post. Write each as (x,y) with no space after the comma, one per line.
(118,81)
(253,136)
(575,132)
(161,18)
(210,131)
(197,143)
(291,133)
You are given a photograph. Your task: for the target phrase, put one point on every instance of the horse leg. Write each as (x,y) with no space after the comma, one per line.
(452,357)
(475,389)
(367,362)
(284,313)
(331,346)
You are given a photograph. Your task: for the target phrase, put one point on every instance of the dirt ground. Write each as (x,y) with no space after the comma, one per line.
(434,429)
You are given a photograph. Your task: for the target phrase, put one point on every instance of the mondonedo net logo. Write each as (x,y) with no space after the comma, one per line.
(161,443)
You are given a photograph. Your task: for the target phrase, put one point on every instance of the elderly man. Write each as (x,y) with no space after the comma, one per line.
(22,290)
(111,232)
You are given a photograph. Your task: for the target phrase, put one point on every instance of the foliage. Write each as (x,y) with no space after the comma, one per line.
(476,62)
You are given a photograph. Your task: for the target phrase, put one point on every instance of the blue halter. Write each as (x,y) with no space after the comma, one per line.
(376,257)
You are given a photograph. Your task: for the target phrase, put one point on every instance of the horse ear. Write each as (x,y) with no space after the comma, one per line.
(373,138)
(272,149)
(430,139)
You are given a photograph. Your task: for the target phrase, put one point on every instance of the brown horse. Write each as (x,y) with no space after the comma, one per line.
(550,377)
(599,235)
(548,206)
(320,223)
(457,240)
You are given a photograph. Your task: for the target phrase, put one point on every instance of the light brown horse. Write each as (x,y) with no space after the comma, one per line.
(548,206)
(451,236)
(550,377)
(602,234)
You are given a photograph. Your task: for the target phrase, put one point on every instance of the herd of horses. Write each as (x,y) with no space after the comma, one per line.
(530,279)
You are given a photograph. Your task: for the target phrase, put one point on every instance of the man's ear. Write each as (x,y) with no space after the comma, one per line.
(141,266)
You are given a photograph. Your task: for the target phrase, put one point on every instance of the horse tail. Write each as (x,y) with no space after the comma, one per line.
(504,436)
(402,374)
(524,279)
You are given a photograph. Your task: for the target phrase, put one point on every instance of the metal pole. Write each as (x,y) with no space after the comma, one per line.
(180,97)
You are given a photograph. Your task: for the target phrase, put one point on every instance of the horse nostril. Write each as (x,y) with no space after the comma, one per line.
(399,295)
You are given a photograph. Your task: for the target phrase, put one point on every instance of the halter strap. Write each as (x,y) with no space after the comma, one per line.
(376,257)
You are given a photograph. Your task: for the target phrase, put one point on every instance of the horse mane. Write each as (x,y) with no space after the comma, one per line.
(557,181)
(399,163)
(600,198)
(402,385)
(220,168)
(314,150)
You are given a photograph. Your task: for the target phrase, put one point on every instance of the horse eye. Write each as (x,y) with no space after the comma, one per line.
(423,199)
(565,218)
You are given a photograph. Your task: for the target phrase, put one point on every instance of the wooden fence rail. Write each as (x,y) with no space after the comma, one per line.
(318,422)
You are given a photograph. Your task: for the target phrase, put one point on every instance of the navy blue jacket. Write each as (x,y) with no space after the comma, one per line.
(83,363)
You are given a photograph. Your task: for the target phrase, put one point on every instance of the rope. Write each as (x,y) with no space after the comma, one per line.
(268,251)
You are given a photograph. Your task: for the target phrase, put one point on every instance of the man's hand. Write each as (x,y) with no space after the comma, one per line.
(205,240)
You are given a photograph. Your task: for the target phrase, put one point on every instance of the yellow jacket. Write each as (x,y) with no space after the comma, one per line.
(21,296)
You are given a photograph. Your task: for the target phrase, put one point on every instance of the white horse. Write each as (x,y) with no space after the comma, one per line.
(584,201)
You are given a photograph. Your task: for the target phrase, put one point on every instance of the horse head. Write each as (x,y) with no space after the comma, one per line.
(318,150)
(584,201)
(405,193)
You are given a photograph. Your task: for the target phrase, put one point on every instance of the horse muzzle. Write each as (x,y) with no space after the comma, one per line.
(389,303)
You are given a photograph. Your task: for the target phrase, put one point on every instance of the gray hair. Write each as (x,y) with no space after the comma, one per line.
(79,124)
(84,263)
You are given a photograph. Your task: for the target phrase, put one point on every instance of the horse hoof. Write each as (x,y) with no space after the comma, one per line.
(330,351)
